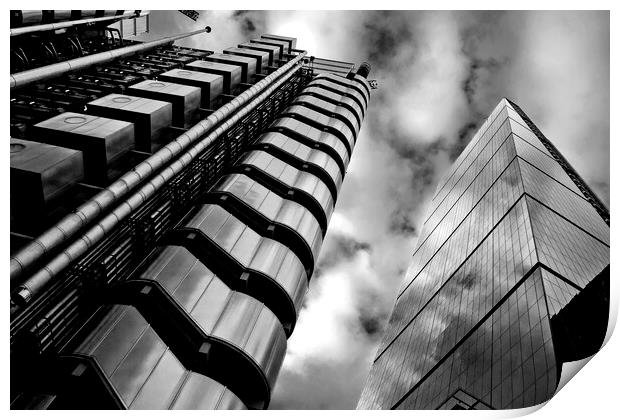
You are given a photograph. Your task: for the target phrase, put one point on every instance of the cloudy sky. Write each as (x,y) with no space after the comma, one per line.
(439,74)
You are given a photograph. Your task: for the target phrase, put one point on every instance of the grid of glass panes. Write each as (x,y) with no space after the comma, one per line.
(466,230)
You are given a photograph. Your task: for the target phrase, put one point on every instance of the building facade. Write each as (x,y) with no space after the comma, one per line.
(168,206)
(509,280)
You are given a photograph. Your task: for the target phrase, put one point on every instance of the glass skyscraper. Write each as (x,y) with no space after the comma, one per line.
(509,280)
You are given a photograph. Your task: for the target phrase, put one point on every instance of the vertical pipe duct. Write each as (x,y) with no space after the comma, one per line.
(60,25)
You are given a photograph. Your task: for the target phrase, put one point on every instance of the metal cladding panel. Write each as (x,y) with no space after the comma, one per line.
(318,69)
(149,116)
(361,80)
(136,362)
(324,120)
(338,98)
(261,57)
(43,170)
(282,45)
(315,135)
(211,85)
(252,250)
(330,108)
(220,312)
(347,83)
(31,17)
(101,140)
(185,99)
(203,393)
(343,65)
(304,153)
(231,73)
(338,89)
(275,208)
(273,50)
(248,324)
(248,65)
(291,41)
(292,177)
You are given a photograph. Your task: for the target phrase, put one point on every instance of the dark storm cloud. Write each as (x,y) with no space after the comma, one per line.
(476,68)
(401,224)
(338,248)
(252,23)
(383,33)
(465,133)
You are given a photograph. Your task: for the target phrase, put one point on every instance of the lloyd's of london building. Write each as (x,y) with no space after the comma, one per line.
(168,206)
(509,280)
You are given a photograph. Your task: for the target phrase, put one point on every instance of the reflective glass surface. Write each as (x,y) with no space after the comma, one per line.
(508,242)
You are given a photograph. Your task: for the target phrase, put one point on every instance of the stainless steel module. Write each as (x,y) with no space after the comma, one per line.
(101,140)
(211,85)
(282,45)
(248,65)
(261,57)
(245,260)
(231,73)
(274,51)
(311,159)
(140,370)
(306,237)
(313,137)
(292,42)
(149,116)
(45,172)
(342,130)
(181,297)
(185,99)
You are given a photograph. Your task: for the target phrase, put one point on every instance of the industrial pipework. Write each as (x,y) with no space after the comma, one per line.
(25,78)
(66,24)
(82,217)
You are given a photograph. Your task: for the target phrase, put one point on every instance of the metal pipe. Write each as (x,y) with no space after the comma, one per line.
(24,78)
(67,24)
(86,213)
